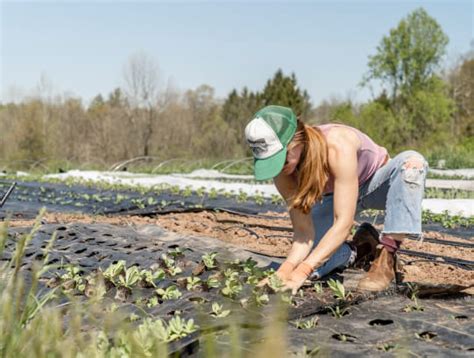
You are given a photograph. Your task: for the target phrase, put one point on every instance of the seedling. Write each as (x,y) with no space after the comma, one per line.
(275,283)
(192,283)
(307,324)
(131,277)
(338,289)
(151,201)
(201,191)
(209,260)
(176,252)
(114,270)
(307,353)
(139,203)
(72,279)
(318,287)
(149,277)
(387,347)
(413,289)
(152,302)
(179,328)
(212,194)
(212,282)
(218,311)
(249,265)
(187,191)
(242,196)
(261,299)
(232,288)
(169,293)
(169,265)
(259,199)
(338,312)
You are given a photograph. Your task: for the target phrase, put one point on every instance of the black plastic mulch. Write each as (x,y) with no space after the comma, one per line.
(375,323)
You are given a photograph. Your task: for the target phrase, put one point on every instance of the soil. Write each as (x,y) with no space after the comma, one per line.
(272,236)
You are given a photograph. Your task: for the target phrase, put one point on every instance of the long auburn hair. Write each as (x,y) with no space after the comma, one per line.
(313,167)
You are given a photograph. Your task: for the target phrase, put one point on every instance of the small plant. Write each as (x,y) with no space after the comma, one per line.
(151,201)
(338,289)
(259,199)
(176,252)
(416,306)
(169,293)
(218,311)
(201,191)
(249,265)
(261,299)
(187,191)
(148,277)
(152,302)
(114,270)
(276,199)
(275,283)
(139,203)
(179,328)
(130,278)
(232,288)
(169,265)
(212,282)
(72,279)
(338,312)
(307,324)
(212,194)
(209,260)
(387,347)
(242,196)
(318,287)
(192,283)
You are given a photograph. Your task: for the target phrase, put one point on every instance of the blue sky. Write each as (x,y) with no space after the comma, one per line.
(82,47)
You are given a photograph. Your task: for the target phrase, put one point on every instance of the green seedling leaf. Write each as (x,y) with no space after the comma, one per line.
(218,311)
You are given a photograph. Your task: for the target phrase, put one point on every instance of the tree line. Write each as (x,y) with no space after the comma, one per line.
(419,105)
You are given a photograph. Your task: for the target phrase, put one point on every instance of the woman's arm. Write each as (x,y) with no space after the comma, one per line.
(342,158)
(343,163)
(303,230)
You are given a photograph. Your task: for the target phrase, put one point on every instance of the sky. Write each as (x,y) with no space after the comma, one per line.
(81,48)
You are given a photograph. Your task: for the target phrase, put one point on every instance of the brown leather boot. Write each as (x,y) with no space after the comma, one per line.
(381,273)
(365,241)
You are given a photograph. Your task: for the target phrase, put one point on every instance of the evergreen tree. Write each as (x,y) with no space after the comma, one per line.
(284,91)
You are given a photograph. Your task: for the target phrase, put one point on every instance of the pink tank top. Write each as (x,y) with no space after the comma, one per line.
(370,156)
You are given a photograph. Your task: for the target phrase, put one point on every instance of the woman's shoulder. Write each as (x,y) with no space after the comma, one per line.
(339,134)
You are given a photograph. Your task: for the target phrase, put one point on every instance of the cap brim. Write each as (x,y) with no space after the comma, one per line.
(270,167)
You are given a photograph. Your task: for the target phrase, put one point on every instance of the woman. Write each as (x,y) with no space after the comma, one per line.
(326,174)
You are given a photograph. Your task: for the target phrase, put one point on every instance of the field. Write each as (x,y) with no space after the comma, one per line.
(114,270)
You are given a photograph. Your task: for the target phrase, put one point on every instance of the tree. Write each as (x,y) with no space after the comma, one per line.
(142,89)
(461,88)
(238,110)
(284,91)
(408,57)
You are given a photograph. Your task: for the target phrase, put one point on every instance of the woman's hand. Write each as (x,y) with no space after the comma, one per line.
(298,277)
(283,273)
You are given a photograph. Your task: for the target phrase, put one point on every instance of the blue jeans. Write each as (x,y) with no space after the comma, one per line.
(393,188)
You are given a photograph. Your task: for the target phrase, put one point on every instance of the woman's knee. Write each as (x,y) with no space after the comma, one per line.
(412,167)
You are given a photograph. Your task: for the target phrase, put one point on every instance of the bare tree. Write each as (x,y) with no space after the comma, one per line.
(142,79)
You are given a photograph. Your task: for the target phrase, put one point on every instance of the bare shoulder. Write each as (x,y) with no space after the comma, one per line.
(342,139)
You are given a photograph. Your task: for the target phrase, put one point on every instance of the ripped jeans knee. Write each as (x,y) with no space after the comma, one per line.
(414,169)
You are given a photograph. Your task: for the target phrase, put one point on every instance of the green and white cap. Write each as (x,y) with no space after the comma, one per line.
(268,134)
